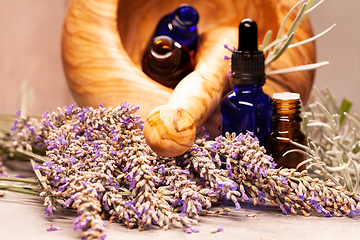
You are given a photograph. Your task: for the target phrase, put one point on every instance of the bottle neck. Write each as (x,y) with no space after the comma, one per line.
(247,87)
(164,54)
(184,20)
(286,114)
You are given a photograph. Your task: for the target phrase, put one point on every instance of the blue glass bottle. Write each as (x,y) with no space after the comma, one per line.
(181,26)
(247,107)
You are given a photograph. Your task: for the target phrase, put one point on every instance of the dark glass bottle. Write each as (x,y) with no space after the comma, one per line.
(166,61)
(286,126)
(247,107)
(181,26)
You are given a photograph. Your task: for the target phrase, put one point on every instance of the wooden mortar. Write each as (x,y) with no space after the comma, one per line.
(103,42)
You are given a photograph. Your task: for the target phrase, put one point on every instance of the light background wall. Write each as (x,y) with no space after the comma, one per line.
(341,47)
(30,51)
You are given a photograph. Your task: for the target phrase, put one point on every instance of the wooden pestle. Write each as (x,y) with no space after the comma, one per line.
(170,129)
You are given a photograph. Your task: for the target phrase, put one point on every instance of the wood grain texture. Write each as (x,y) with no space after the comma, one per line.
(300,82)
(103,43)
(170,127)
(97,67)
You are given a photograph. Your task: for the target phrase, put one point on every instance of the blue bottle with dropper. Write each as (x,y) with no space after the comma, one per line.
(247,107)
(181,26)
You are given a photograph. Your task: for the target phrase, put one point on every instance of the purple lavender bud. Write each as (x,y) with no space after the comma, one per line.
(37,167)
(71,159)
(237,206)
(227,58)
(48,210)
(70,109)
(53,228)
(326,213)
(45,114)
(183,208)
(77,223)
(132,184)
(69,201)
(187,230)
(49,164)
(261,194)
(56,179)
(283,209)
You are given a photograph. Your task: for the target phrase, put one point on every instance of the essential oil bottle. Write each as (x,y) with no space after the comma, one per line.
(286,126)
(166,61)
(247,107)
(181,26)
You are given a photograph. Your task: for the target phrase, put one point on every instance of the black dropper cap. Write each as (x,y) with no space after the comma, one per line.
(247,63)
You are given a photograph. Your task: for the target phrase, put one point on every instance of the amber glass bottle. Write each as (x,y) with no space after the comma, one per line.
(166,61)
(285,126)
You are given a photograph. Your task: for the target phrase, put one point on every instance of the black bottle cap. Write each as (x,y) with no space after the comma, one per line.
(247,63)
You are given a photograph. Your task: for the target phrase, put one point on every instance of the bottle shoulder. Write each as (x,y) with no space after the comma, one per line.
(185,38)
(248,95)
(285,136)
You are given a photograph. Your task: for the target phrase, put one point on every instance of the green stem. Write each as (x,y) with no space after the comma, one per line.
(38,175)
(19,190)
(346,173)
(31,154)
(23,180)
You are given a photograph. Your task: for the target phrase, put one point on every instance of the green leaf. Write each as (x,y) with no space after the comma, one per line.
(345,107)
(279,52)
(310,6)
(300,68)
(286,17)
(328,116)
(266,40)
(297,20)
(275,42)
(356,149)
(312,38)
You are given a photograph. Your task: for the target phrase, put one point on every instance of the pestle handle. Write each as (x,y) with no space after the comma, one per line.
(170,129)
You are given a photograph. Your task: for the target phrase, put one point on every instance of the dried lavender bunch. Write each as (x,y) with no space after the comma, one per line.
(82,147)
(163,189)
(97,162)
(255,174)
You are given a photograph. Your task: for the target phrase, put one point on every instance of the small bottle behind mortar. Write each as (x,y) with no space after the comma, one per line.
(166,61)
(286,126)
(181,26)
(247,107)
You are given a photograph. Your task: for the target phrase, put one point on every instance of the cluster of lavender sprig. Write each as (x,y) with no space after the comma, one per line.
(293,191)
(98,162)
